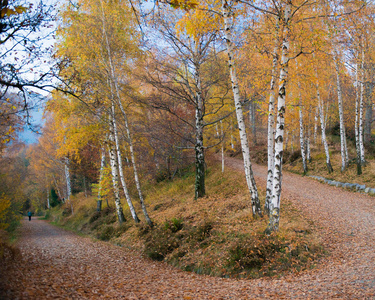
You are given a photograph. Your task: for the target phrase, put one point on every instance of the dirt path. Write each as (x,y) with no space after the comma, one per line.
(60,265)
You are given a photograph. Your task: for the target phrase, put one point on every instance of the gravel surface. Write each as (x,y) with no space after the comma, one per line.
(57,264)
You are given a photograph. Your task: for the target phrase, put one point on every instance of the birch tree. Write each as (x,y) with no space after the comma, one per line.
(183,81)
(228,19)
(280,121)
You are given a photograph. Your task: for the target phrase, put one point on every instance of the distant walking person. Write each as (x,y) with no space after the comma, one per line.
(29,214)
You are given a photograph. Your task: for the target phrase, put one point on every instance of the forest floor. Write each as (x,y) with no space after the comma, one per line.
(57,264)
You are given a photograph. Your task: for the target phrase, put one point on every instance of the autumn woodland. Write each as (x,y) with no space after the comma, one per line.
(172,129)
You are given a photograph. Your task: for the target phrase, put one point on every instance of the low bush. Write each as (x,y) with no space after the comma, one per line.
(174,225)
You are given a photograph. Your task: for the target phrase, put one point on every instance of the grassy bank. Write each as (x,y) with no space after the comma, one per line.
(215,235)
(317,165)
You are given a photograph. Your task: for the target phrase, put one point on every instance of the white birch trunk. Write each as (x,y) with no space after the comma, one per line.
(361,100)
(271,124)
(200,189)
(222,147)
(256,209)
(137,182)
(280,125)
(301,135)
(136,178)
(68,183)
(358,150)
(323,127)
(101,174)
(341,114)
(114,172)
(308,147)
(48,203)
(120,167)
(346,149)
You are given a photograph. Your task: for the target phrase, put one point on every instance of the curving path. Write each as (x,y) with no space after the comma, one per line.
(57,264)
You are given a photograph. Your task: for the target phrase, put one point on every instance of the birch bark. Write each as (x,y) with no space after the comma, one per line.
(119,164)
(114,82)
(280,122)
(256,209)
(308,150)
(48,203)
(301,135)
(101,174)
(358,150)
(271,124)
(222,147)
(341,114)
(200,189)
(323,127)
(360,121)
(114,172)
(132,155)
(68,183)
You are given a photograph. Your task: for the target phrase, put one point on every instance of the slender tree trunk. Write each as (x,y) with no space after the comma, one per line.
(200,189)
(114,172)
(68,183)
(361,100)
(137,182)
(308,150)
(323,126)
(136,178)
(368,115)
(341,114)
(239,113)
(356,127)
(113,86)
(271,124)
(280,125)
(48,203)
(301,134)
(102,164)
(119,164)
(222,147)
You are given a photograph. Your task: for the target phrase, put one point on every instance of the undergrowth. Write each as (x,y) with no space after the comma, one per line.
(317,165)
(214,235)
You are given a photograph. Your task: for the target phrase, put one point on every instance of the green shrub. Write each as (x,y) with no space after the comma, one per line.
(174,225)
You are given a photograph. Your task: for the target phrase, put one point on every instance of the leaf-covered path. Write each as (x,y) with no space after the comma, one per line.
(57,264)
